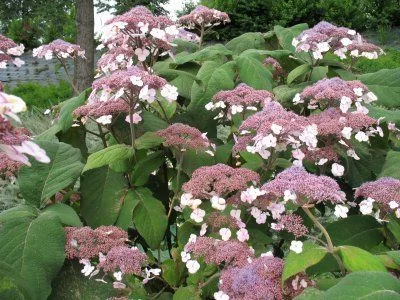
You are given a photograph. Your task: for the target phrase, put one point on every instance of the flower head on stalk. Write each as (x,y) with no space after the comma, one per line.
(58,49)
(385,192)
(277,70)
(8,50)
(139,32)
(325,37)
(184,137)
(273,129)
(336,92)
(239,100)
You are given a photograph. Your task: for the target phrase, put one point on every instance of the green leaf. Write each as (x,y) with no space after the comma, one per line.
(297,72)
(394,226)
(41,181)
(149,217)
(381,112)
(248,40)
(395,255)
(65,213)
(102,194)
(295,263)
(360,231)
(318,73)
(359,285)
(193,160)
(385,84)
(68,106)
(357,259)
(151,122)
(125,217)
(146,166)
(285,94)
(148,140)
(253,73)
(172,271)
(33,245)
(108,156)
(286,35)
(391,167)
(187,292)
(12,285)
(209,53)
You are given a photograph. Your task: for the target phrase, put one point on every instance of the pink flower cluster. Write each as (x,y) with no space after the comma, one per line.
(9,49)
(307,188)
(274,128)
(184,137)
(220,180)
(204,16)
(59,49)
(277,70)
(116,58)
(86,243)
(324,37)
(384,191)
(8,167)
(233,253)
(125,259)
(292,224)
(187,36)
(97,109)
(336,92)
(260,279)
(238,100)
(140,31)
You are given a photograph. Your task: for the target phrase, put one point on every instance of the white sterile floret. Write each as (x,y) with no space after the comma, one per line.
(251,194)
(358,91)
(118,275)
(269,141)
(346,42)
(220,104)
(341,211)
(361,136)
(193,266)
(289,195)
(158,33)
(225,234)
(242,234)
(235,213)
(370,97)
(337,170)
(235,109)
(297,99)
(142,54)
(366,206)
(309,136)
(276,210)
(197,215)
(172,30)
(218,203)
(209,106)
(276,129)
(353,154)
(345,104)
(147,94)
(88,268)
(203,229)
(296,246)
(393,204)
(170,92)
(321,162)
(346,132)
(104,119)
(185,256)
(220,295)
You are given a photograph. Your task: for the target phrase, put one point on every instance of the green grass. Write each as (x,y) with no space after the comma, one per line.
(42,96)
(390,60)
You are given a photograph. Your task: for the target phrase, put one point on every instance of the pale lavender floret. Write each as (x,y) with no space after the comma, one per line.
(220,179)
(187,36)
(309,188)
(260,279)
(59,48)
(244,95)
(115,58)
(383,191)
(202,15)
(183,137)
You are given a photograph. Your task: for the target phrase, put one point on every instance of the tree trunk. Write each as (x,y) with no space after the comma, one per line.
(84,68)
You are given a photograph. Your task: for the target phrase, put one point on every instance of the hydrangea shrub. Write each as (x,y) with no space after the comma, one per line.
(265,168)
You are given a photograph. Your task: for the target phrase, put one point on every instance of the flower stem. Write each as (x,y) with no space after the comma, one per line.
(131,125)
(178,177)
(330,247)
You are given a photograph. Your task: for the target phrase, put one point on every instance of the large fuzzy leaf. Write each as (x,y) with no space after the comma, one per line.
(357,259)
(102,195)
(386,85)
(149,217)
(391,167)
(41,181)
(33,245)
(248,40)
(253,73)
